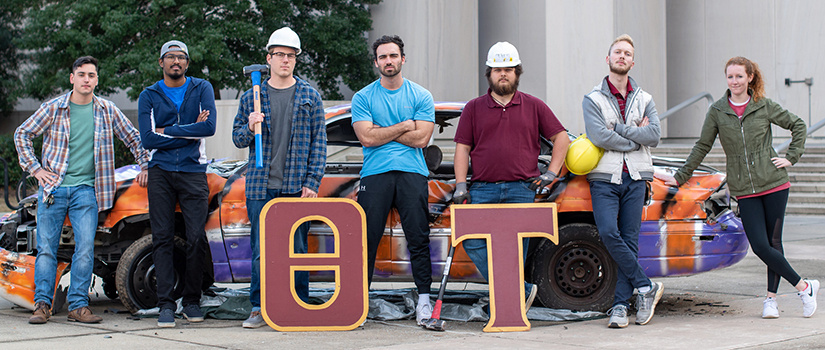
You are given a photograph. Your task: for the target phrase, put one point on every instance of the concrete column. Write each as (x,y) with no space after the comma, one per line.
(441,43)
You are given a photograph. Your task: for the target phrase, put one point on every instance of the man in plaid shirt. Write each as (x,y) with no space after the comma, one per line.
(77,178)
(294,143)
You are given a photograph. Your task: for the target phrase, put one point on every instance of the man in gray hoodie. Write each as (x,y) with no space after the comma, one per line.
(621,118)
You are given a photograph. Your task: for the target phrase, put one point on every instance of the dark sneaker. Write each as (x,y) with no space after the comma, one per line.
(646,303)
(166,319)
(193,313)
(808,297)
(531,296)
(84,315)
(41,314)
(618,317)
(255,320)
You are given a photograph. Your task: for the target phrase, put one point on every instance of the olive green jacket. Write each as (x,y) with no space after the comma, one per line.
(747,144)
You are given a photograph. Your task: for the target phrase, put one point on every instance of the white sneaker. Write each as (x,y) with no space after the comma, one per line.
(769,308)
(808,297)
(424,311)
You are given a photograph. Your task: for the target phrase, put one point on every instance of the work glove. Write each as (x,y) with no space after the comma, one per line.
(542,180)
(461,195)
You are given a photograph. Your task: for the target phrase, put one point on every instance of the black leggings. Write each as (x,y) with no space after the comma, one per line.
(763,218)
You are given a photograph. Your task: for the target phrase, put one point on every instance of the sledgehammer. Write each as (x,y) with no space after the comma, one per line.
(435,323)
(255,71)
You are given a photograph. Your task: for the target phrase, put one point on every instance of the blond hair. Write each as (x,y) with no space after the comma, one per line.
(624,37)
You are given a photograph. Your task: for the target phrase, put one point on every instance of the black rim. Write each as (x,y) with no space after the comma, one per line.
(143,285)
(579,271)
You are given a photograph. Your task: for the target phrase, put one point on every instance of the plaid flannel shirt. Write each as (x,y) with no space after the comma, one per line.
(52,120)
(307,155)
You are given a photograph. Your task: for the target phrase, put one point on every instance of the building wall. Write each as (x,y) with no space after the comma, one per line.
(440,43)
(783,37)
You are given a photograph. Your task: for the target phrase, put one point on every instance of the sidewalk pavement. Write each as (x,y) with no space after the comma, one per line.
(715,310)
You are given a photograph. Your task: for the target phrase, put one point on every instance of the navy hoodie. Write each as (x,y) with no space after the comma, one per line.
(181,147)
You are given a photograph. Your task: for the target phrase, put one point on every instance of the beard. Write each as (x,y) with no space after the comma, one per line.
(503,89)
(176,74)
(619,70)
(390,75)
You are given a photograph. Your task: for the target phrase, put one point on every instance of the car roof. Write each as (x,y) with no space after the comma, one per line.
(339,125)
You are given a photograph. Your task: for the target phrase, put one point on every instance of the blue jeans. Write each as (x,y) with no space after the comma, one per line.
(618,213)
(493,192)
(80,204)
(253,209)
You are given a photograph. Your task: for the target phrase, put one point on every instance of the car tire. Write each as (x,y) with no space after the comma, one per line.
(135,278)
(577,274)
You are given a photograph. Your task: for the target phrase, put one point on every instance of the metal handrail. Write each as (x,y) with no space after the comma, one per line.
(686,103)
(784,146)
(779,148)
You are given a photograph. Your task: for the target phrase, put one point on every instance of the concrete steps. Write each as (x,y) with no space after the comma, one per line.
(807,194)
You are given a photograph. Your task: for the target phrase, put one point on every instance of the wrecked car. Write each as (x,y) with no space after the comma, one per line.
(685,231)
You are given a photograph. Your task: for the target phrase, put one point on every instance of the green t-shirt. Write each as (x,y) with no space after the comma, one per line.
(81,169)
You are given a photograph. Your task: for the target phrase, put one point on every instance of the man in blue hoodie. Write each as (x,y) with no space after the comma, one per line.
(175,115)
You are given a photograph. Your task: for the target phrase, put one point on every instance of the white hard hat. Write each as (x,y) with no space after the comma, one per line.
(284,37)
(503,54)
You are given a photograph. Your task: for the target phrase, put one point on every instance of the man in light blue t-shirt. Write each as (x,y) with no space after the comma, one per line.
(394,118)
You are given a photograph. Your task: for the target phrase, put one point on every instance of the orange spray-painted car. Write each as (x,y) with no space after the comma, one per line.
(684,231)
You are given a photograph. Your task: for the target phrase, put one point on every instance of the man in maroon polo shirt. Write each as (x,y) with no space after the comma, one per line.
(500,131)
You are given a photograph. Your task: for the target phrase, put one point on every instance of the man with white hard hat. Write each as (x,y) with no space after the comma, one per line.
(501,132)
(621,119)
(294,143)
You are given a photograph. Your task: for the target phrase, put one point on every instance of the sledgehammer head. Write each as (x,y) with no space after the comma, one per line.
(433,324)
(255,71)
(256,68)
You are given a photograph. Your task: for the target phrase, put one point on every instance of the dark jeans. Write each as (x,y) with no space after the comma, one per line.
(492,192)
(166,189)
(763,218)
(618,213)
(408,193)
(253,210)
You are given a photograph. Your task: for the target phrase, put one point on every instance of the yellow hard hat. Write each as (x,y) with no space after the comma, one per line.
(582,156)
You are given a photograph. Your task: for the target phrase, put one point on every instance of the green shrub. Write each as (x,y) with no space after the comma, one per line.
(9,153)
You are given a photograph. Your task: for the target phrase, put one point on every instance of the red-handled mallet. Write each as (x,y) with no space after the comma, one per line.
(435,323)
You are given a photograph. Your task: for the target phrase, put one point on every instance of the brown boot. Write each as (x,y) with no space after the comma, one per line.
(84,315)
(42,312)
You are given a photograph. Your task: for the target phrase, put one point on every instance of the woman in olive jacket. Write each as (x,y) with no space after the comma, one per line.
(757,176)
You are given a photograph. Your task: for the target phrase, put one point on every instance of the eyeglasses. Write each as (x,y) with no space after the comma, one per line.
(172,58)
(281,55)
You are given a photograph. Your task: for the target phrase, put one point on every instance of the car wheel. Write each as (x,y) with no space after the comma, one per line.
(135,279)
(577,274)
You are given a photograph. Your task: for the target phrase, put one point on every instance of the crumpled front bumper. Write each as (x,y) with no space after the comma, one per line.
(17,278)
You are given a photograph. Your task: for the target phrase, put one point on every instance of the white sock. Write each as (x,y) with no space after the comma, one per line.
(770,298)
(423,298)
(644,289)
